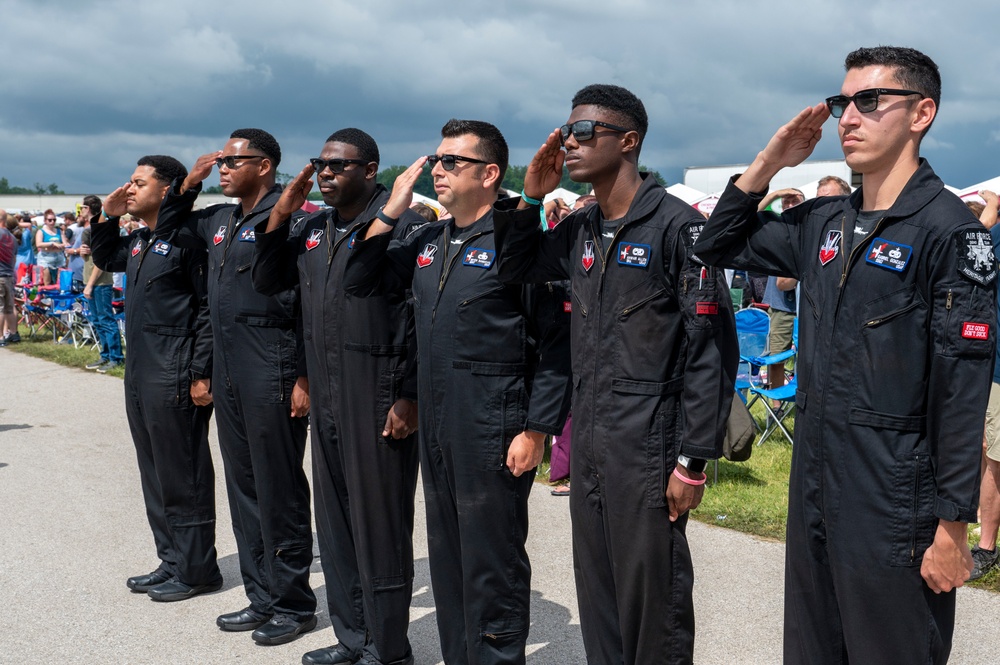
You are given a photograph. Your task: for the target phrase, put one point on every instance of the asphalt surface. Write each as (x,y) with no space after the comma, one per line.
(72,528)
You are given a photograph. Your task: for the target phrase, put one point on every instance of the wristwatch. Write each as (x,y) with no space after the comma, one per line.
(692,464)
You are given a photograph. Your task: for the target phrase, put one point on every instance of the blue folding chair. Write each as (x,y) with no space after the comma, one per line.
(752,327)
(784,395)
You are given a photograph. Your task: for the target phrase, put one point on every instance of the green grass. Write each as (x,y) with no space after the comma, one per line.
(42,346)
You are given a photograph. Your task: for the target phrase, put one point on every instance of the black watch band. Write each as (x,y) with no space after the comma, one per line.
(386,219)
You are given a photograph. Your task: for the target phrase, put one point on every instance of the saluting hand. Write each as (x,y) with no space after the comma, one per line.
(525,452)
(401,421)
(202,169)
(114,204)
(295,194)
(545,171)
(402,190)
(795,141)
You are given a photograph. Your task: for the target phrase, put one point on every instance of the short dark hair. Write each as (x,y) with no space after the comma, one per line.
(93,203)
(367,148)
(625,107)
(165,168)
(491,144)
(260,140)
(913,69)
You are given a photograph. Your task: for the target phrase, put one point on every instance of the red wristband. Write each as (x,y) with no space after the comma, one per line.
(690,481)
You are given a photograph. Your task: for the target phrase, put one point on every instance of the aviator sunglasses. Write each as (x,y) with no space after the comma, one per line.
(583,130)
(865,101)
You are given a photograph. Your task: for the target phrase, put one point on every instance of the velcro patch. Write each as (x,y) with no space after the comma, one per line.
(707,308)
(312,240)
(161,247)
(568,307)
(889,255)
(479,258)
(971,330)
(247,235)
(691,233)
(137,247)
(220,235)
(975,255)
(633,255)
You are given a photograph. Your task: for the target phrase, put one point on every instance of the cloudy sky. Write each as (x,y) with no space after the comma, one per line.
(90,86)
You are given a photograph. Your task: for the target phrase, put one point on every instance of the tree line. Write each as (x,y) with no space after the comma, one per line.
(38,188)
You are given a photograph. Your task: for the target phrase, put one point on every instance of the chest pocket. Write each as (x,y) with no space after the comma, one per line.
(488,322)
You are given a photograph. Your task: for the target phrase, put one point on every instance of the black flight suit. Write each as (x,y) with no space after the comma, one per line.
(654,365)
(169,340)
(356,354)
(487,372)
(258,356)
(896,343)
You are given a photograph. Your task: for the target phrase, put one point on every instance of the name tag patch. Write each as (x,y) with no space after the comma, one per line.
(633,255)
(312,240)
(971,330)
(350,243)
(161,247)
(479,258)
(220,235)
(889,255)
(247,235)
(707,308)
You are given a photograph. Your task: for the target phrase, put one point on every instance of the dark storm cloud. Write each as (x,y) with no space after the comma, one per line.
(90,86)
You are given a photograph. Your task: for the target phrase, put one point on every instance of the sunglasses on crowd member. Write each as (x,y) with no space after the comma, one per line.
(50,219)
(583,130)
(448,161)
(335,165)
(865,101)
(230,161)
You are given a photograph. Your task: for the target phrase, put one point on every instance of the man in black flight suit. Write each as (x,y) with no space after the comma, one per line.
(492,382)
(167,400)
(897,334)
(654,365)
(363,414)
(260,388)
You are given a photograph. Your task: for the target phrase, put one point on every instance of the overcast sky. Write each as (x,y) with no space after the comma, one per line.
(88,87)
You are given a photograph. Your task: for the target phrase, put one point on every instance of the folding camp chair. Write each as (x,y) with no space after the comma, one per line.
(752,326)
(784,395)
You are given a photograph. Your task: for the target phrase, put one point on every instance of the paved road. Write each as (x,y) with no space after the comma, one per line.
(72,528)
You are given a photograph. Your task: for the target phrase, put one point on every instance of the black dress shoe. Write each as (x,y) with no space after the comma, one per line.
(248,619)
(282,628)
(176,590)
(143,583)
(338,654)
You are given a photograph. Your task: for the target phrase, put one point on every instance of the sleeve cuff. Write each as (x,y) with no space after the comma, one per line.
(950,511)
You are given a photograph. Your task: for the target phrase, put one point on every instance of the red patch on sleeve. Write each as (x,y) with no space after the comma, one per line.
(567,306)
(972,330)
(707,308)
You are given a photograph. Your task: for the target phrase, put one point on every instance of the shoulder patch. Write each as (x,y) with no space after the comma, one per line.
(975,255)
(691,233)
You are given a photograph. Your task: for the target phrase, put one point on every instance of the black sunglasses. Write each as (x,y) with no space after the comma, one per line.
(865,101)
(335,165)
(448,161)
(230,161)
(583,130)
